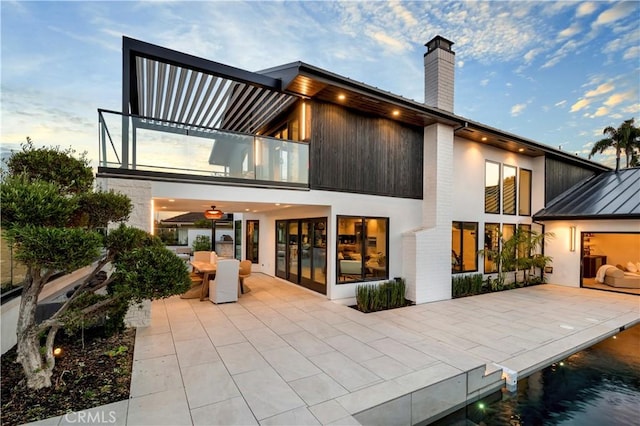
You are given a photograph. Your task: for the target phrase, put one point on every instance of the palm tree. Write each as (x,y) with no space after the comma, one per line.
(625,137)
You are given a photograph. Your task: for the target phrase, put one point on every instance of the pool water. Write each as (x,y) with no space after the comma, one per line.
(597,386)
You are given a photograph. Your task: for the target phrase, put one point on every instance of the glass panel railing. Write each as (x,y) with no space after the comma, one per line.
(155,145)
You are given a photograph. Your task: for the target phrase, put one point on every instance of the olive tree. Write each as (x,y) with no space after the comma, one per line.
(56,223)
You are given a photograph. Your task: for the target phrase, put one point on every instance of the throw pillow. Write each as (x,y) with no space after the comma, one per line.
(631,267)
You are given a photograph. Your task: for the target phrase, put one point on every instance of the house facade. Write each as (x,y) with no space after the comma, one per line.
(332,182)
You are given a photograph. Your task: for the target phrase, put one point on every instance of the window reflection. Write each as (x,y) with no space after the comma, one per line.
(362,248)
(509,190)
(492,187)
(524,199)
(464,243)
(491,246)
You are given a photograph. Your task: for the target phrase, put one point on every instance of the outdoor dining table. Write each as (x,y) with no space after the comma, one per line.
(208,271)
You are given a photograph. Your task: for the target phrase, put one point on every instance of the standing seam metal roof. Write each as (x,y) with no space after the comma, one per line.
(609,195)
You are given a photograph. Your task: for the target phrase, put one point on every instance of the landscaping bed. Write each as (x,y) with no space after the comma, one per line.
(86,375)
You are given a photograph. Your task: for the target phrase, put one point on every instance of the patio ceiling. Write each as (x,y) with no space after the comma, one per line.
(171,86)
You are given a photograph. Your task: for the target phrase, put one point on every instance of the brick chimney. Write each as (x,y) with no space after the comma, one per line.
(439,67)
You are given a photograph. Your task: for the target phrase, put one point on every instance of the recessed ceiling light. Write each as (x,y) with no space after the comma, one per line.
(255,211)
(277,204)
(520,149)
(171,200)
(342,97)
(484,139)
(164,207)
(396,112)
(246,210)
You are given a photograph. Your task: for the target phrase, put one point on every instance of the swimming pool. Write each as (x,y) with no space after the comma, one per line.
(597,386)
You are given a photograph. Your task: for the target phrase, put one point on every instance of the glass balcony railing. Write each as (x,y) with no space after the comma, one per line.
(138,143)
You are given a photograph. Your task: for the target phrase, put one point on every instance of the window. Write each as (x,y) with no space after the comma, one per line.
(362,248)
(524,248)
(492,188)
(508,231)
(464,247)
(509,190)
(491,247)
(253,239)
(524,198)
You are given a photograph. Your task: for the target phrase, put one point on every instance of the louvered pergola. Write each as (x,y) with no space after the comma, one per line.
(169,90)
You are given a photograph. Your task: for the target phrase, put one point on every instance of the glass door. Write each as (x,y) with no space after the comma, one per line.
(305,249)
(238,239)
(281,249)
(320,253)
(293,272)
(301,252)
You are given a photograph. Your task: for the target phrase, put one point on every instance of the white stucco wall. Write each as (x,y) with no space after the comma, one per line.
(469,179)
(403,214)
(566,263)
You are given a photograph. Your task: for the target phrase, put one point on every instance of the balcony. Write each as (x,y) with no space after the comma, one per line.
(155,148)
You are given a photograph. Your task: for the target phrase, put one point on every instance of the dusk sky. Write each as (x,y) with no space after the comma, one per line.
(554,72)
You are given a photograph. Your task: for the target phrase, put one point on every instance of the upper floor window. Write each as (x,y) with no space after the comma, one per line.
(464,247)
(492,187)
(362,248)
(509,189)
(524,198)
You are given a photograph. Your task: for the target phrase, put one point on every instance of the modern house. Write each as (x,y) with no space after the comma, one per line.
(332,182)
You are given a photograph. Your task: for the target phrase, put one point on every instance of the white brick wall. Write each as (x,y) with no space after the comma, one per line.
(439,70)
(427,251)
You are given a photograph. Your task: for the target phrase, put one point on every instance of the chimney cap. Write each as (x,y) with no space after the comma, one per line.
(439,42)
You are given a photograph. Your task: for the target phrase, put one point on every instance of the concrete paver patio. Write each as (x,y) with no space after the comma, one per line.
(283,355)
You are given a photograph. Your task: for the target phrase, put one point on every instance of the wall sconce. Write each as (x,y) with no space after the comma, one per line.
(572,238)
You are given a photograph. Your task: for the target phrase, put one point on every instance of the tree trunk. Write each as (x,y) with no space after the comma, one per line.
(36,369)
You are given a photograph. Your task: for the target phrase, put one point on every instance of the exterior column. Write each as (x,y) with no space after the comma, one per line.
(139,191)
(427,251)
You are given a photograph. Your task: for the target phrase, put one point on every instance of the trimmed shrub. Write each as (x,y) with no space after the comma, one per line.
(378,297)
(466,285)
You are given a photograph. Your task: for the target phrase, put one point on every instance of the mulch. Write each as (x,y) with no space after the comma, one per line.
(92,371)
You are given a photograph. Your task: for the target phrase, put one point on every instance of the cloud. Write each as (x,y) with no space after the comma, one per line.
(460,64)
(618,11)
(632,53)
(600,90)
(484,82)
(517,109)
(561,103)
(569,47)
(581,104)
(585,9)
(389,42)
(531,54)
(632,109)
(600,112)
(618,98)
(570,31)
(403,13)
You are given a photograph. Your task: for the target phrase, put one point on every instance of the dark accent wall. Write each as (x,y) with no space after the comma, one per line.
(560,176)
(352,152)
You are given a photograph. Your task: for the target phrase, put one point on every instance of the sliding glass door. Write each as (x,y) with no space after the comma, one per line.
(301,252)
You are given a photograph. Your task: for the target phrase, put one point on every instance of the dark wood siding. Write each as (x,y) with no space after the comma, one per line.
(560,176)
(352,152)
